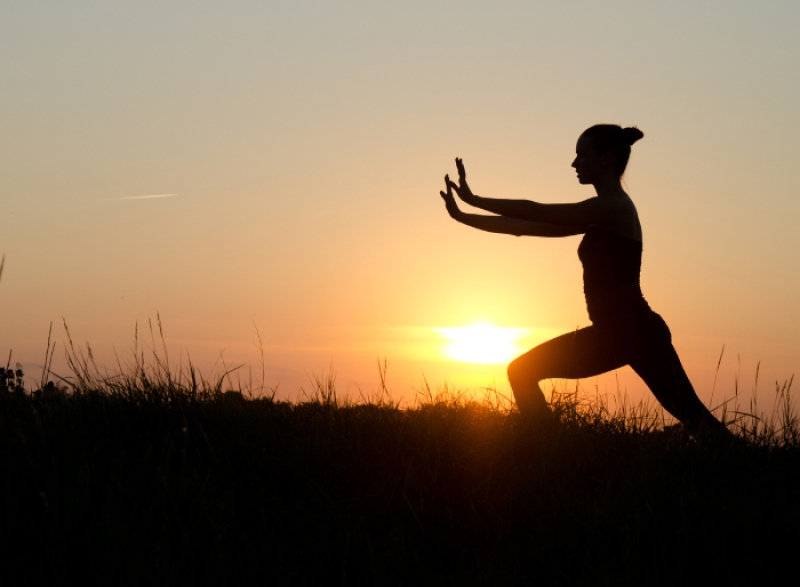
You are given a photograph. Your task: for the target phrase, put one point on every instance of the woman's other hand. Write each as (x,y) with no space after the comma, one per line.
(462,189)
(449,200)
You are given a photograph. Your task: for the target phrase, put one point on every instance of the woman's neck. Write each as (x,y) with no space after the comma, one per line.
(608,186)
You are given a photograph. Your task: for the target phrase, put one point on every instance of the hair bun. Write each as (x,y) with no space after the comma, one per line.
(632,134)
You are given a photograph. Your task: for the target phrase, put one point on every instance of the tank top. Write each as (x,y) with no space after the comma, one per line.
(611,268)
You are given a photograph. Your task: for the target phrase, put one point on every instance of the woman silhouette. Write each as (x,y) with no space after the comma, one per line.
(624,330)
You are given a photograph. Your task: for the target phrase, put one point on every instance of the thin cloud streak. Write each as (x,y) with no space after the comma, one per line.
(150,197)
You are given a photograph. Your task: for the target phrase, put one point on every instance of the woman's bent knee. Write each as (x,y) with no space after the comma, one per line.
(522,371)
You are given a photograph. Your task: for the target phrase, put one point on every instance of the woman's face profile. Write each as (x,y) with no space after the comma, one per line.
(588,164)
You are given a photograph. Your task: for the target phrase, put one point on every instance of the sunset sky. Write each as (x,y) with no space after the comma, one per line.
(299,148)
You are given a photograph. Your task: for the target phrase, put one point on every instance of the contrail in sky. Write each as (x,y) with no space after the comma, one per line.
(151,197)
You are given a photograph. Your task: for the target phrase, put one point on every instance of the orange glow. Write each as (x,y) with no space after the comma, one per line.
(482,343)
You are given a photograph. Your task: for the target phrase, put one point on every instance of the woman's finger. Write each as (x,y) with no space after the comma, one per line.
(462,174)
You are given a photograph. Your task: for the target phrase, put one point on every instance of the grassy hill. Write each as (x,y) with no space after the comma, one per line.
(149,478)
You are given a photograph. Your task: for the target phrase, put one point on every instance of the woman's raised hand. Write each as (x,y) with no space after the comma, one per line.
(462,189)
(449,200)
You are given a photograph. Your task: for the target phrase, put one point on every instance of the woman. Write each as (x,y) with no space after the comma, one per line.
(624,330)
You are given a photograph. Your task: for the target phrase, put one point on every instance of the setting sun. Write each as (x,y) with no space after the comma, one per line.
(482,343)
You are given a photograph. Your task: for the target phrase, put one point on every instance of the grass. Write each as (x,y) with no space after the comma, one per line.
(154,475)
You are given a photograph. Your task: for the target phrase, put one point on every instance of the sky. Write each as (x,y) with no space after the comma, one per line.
(299,148)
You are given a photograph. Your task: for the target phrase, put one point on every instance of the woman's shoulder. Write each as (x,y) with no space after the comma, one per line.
(624,221)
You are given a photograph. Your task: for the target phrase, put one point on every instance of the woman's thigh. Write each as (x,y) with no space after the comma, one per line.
(575,355)
(656,362)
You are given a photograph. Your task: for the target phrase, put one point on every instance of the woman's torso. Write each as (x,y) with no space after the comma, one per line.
(611,271)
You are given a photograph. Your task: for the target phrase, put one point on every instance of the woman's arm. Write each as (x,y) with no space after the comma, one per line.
(517,227)
(506,225)
(591,211)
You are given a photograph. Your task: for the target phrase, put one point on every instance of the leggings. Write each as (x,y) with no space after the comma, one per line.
(642,341)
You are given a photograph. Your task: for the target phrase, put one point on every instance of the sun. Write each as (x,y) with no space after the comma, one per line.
(482,343)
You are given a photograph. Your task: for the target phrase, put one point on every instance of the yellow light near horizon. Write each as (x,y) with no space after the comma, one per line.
(482,343)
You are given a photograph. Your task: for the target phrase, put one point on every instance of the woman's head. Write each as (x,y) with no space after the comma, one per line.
(609,142)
